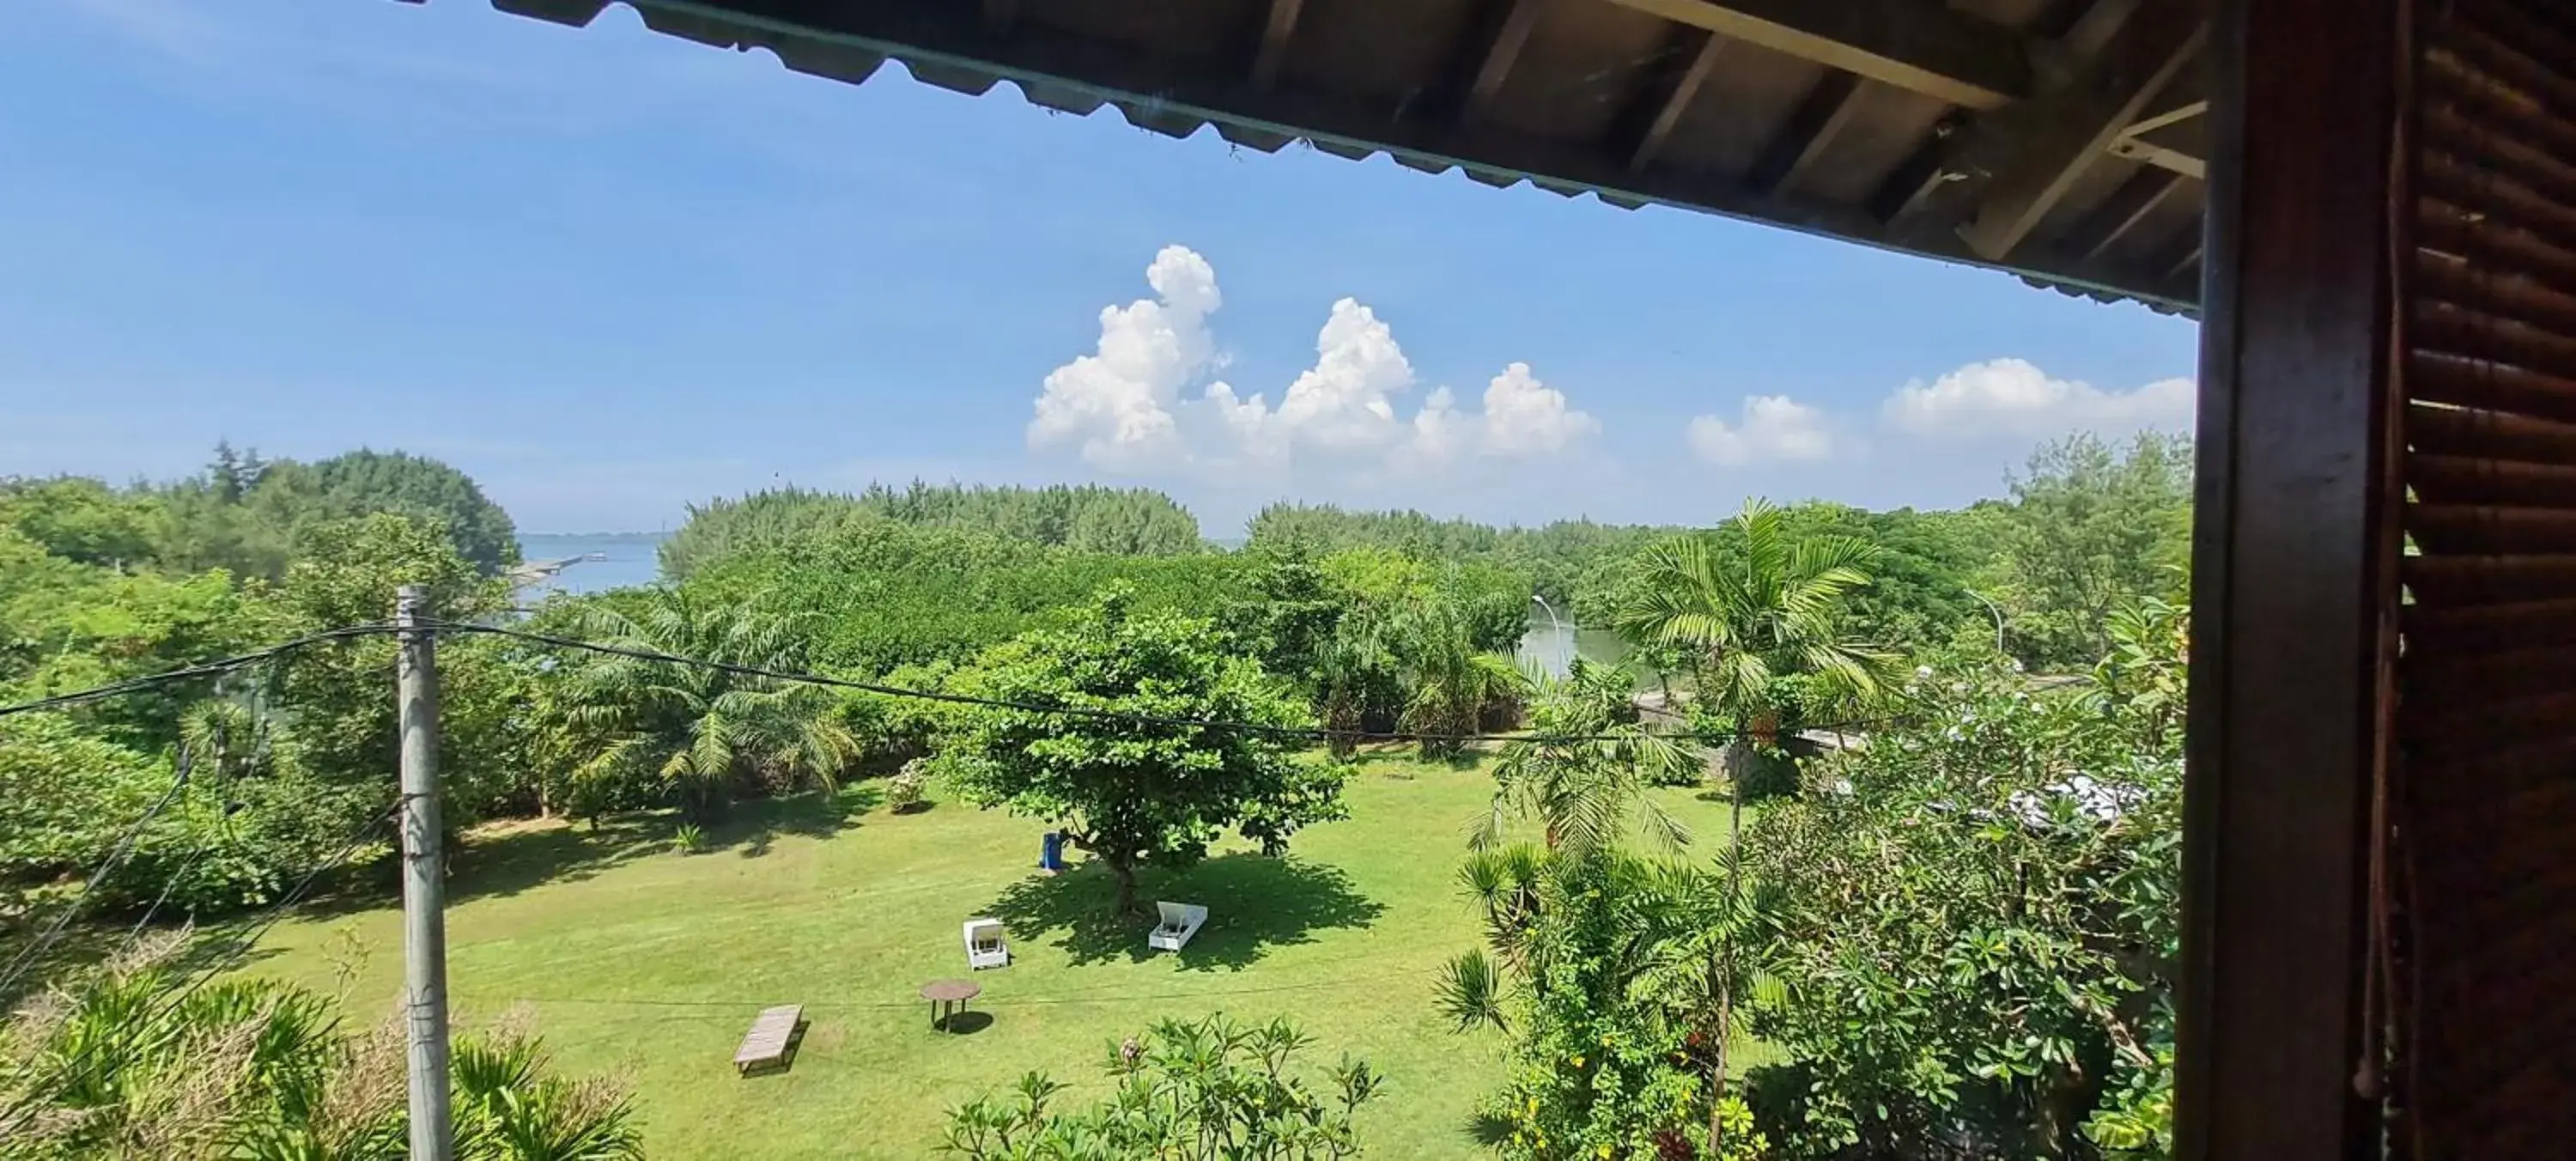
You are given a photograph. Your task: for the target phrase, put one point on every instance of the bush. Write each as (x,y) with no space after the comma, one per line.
(1186,1091)
(904,791)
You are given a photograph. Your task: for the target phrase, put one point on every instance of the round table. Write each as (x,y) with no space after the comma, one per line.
(948,998)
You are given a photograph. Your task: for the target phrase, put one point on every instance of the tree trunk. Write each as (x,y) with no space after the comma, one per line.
(1123,869)
(1717,1071)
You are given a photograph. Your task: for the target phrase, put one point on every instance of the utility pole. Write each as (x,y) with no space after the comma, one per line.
(433,1133)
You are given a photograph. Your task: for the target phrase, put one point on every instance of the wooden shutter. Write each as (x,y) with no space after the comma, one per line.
(2482,869)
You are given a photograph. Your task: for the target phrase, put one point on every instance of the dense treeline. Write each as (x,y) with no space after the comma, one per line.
(244,514)
(1551,558)
(101,584)
(1087,518)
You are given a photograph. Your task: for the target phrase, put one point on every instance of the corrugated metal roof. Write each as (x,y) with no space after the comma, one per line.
(2000,136)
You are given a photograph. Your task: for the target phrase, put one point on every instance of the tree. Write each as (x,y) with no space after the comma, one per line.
(1585,765)
(1610,1057)
(81,519)
(1756,624)
(1289,610)
(1974,920)
(2094,528)
(1198,1091)
(691,733)
(1126,789)
(1453,683)
(364,481)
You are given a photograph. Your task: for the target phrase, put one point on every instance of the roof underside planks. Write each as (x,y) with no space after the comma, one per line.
(2058,139)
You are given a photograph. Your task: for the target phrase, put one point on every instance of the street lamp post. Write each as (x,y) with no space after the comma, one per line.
(1552,618)
(1558,624)
(1995,609)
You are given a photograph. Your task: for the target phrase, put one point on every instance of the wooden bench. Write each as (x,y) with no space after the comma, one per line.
(772,1039)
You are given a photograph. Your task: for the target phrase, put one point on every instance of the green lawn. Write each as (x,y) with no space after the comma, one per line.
(651,963)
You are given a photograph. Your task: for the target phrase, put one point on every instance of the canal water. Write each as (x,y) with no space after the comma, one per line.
(1551,647)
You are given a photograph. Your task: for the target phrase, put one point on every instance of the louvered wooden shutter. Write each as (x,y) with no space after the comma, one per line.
(2484,816)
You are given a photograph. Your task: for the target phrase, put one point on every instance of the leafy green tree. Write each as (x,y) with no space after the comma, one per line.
(1974,919)
(1289,611)
(1198,1091)
(341,697)
(245,515)
(694,733)
(1359,680)
(1747,623)
(1548,560)
(81,520)
(1133,791)
(364,481)
(2093,528)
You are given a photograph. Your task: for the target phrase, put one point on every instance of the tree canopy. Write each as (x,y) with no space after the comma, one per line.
(1135,792)
(1087,518)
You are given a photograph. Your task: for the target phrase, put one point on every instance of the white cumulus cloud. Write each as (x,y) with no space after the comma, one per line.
(1773,429)
(1127,407)
(1525,417)
(1117,402)
(2011,397)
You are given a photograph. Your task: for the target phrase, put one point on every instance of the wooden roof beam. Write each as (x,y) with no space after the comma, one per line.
(2059,136)
(1916,45)
(2119,215)
(1273,49)
(1502,50)
(1688,57)
(1804,137)
(2179,147)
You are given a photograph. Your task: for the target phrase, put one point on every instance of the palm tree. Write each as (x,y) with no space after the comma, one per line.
(1583,768)
(1694,971)
(1355,671)
(1453,684)
(1745,620)
(695,728)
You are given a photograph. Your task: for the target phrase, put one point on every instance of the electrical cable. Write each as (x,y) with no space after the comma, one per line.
(215,668)
(1318,733)
(224,961)
(30,955)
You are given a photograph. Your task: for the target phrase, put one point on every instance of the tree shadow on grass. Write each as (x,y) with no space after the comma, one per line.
(1254,903)
(509,861)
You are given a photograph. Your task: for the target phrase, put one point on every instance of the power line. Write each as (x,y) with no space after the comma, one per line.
(169,1002)
(35,950)
(1314,733)
(1308,733)
(215,668)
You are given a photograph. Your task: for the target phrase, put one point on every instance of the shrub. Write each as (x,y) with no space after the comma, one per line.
(904,792)
(1186,1091)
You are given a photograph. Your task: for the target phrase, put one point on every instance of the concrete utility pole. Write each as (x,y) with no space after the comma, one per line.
(433,1133)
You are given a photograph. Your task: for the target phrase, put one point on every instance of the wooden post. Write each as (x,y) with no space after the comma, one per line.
(2290,586)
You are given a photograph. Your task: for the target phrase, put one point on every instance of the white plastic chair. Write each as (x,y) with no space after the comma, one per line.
(1179,922)
(985,945)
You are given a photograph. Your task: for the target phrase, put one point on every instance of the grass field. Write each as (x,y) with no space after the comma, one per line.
(640,960)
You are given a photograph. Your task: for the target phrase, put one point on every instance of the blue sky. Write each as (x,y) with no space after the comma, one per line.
(609,273)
